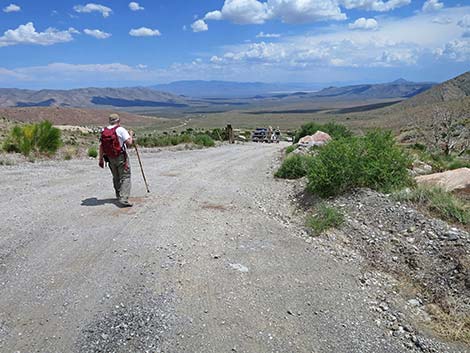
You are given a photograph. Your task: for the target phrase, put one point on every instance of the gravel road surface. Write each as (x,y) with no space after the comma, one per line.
(213,260)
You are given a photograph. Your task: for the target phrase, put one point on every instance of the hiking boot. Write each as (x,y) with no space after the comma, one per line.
(124,203)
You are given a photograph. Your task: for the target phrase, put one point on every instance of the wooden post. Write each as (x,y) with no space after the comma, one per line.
(229,130)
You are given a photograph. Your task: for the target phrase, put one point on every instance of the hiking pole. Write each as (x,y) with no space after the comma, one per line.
(141,168)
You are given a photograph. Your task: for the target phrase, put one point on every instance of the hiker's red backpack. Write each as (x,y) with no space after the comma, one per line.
(110,142)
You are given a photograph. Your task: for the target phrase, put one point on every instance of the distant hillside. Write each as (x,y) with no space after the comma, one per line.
(71,116)
(90,98)
(452,95)
(453,89)
(229,89)
(396,89)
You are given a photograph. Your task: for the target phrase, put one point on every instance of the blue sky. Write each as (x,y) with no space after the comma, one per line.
(73,43)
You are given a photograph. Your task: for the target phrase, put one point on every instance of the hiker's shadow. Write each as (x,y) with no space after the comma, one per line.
(93,201)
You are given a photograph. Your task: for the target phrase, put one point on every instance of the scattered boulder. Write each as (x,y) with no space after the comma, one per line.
(319,138)
(451,180)
(420,168)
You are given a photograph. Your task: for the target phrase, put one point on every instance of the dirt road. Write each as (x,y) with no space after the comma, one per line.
(213,260)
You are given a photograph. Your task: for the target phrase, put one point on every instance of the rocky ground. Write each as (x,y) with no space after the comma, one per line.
(215,259)
(426,261)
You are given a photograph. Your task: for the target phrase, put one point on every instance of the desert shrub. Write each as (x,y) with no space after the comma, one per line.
(41,137)
(336,131)
(335,169)
(325,217)
(384,164)
(70,152)
(456,164)
(443,204)
(441,162)
(173,140)
(294,167)
(218,134)
(373,161)
(291,149)
(203,140)
(92,152)
(48,138)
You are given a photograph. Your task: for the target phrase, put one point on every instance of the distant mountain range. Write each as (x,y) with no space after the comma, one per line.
(217,93)
(453,89)
(452,95)
(90,98)
(396,89)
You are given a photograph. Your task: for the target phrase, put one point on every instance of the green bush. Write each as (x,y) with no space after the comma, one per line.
(41,137)
(325,218)
(291,149)
(218,134)
(294,167)
(456,164)
(444,204)
(173,140)
(92,152)
(336,131)
(203,140)
(441,162)
(373,161)
(48,138)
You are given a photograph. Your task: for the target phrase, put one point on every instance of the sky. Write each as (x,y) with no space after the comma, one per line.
(73,43)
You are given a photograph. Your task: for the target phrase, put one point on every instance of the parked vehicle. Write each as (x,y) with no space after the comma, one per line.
(260,135)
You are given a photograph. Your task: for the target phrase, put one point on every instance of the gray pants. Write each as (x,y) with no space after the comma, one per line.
(121,176)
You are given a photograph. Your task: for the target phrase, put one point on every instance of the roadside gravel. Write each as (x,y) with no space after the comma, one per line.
(215,259)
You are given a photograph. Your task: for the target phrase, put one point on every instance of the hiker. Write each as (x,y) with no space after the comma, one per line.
(277,135)
(270,134)
(114,142)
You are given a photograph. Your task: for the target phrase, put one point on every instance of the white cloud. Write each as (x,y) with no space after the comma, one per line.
(432,5)
(289,11)
(26,34)
(199,26)
(404,42)
(304,11)
(97,33)
(374,5)
(12,8)
(456,50)
(134,6)
(268,35)
(91,7)
(215,59)
(464,22)
(144,32)
(295,11)
(406,56)
(241,12)
(442,20)
(213,15)
(364,23)
(63,72)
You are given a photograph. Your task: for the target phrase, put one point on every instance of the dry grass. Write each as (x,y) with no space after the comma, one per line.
(453,325)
